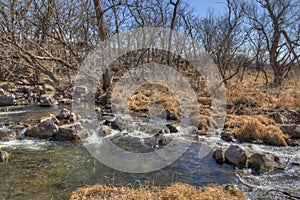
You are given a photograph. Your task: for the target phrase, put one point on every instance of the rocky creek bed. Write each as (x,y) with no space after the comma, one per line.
(46,161)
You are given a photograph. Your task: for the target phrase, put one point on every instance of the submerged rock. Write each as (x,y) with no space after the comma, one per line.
(262,162)
(237,156)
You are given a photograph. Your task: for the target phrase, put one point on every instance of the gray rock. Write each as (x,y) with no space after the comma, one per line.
(46,128)
(227,136)
(7,134)
(261,162)
(172,128)
(121,122)
(293,143)
(237,156)
(64,114)
(48,101)
(219,155)
(293,131)
(7,99)
(69,132)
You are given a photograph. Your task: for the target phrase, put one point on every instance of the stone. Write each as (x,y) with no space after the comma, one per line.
(121,122)
(293,131)
(219,155)
(237,156)
(293,143)
(7,99)
(68,132)
(227,136)
(64,114)
(45,129)
(72,117)
(32,131)
(172,128)
(7,134)
(279,118)
(48,101)
(163,140)
(261,162)
(4,156)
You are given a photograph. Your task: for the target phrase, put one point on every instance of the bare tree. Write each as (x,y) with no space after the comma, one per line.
(222,37)
(276,21)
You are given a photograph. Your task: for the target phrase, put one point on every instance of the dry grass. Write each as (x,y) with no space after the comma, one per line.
(256,131)
(175,192)
(147,95)
(255,92)
(252,97)
(289,100)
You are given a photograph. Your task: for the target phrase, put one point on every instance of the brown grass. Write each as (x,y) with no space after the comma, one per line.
(289,100)
(177,191)
(256,131)
(252,97)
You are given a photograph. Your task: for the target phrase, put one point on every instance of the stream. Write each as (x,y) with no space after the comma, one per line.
(41,169)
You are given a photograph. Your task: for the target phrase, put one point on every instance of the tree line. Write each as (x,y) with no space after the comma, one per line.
(52,37)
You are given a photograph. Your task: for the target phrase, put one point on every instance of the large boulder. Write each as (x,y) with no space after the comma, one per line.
(6,99)
(46,128)
(293,131)
(261,162)
(237,156)
(69,132)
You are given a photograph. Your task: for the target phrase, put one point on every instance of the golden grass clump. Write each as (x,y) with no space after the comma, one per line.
(177,191)
(147,95)
(255,131)
(248,96)
(289,100)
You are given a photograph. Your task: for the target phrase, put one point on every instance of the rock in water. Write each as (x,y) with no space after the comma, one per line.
(121,122)
(6,99)
(219,156)
(4,156)
(48,101)
(46,128)
(64,114)
(228,137)
(262,162)
(68,132)
(237,156)
(7,134)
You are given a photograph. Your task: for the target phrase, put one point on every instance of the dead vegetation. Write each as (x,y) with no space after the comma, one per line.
(260,130)
(177,191)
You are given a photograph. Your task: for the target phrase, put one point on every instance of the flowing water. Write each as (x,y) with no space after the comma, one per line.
(41,169)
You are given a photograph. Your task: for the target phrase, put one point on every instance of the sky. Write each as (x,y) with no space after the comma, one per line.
(201,7)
